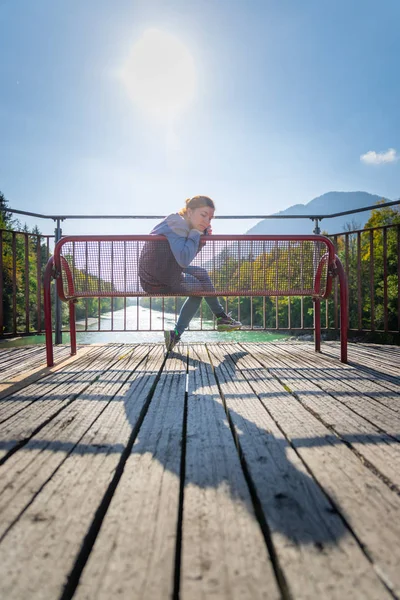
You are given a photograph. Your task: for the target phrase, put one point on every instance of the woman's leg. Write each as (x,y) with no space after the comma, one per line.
(224,322)
(202,276)
(188,310)
(197,279)
(191,304)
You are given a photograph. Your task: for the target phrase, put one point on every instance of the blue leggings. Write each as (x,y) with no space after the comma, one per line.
(196,279)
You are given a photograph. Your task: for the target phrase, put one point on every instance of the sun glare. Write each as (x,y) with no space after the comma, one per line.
(160,74)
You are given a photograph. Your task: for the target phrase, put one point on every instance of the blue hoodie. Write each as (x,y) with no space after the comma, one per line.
(161,265)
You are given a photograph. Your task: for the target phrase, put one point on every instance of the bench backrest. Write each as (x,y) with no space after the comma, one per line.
(242,265)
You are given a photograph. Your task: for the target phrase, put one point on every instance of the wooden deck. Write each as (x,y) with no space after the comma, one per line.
(237,471)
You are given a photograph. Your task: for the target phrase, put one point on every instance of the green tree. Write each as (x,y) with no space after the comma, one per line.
(359,257)
(5,215)
(385,223)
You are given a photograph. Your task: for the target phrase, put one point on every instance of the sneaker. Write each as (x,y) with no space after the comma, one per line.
(226,323)
(171,338)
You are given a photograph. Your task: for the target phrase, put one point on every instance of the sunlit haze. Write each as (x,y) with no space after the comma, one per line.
(159,74)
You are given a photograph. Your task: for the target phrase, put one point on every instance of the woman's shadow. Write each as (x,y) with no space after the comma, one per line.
(223,447)
(212,433)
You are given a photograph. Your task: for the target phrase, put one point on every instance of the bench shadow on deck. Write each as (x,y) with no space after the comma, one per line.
(221,471)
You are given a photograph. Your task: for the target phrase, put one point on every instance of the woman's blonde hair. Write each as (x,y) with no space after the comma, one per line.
(196,202)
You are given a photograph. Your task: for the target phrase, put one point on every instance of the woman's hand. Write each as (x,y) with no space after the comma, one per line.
(202,230)
(207,231)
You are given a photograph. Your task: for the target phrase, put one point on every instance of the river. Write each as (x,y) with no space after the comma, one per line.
(132,313)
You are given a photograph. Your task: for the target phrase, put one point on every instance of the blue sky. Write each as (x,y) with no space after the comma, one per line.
(277,102)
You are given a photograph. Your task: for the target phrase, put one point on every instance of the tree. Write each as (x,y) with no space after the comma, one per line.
(385,237)
(5,216)
(365,252)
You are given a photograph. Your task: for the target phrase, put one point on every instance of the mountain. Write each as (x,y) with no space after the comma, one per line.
(332,202)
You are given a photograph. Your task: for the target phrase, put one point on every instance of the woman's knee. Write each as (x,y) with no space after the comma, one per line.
(202,275)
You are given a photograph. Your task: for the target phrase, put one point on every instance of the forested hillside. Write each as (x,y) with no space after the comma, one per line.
(21,279)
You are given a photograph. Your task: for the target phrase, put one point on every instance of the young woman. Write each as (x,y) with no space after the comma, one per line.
(165,268)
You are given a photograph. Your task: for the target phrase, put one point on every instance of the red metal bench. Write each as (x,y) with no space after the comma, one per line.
(238,265)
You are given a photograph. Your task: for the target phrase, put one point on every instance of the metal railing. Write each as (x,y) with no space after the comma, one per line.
(371,259)
(23,257)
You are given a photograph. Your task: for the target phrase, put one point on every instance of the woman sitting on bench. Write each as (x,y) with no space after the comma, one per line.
(165,268)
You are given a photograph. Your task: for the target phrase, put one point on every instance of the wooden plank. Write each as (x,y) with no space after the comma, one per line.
(317,553)
(350,378)
(18,397)
(224,554)
(34,372)
(15,402)
(134,553)
(29,469)
(27,360)
(339,408)
(366,503)
(384,360)
(7,350)
(18,361)
(41,548)
(353,379)
(52,399)
(378,350)
(386,372)
(8,356)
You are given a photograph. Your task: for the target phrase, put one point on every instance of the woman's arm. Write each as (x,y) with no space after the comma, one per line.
(183,241)
(184,249)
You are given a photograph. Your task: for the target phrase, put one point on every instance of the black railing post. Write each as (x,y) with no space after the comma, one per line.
(57,301)
(316,229)
(317,301)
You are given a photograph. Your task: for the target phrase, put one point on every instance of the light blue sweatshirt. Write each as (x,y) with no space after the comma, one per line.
(184,241)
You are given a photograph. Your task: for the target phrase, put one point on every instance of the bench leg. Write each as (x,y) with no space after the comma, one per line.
(72,327)
(317,325)
(48,274)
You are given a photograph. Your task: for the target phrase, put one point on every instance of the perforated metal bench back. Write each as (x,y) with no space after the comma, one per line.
(96,266)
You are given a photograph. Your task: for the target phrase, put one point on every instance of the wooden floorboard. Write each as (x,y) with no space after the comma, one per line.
(45,452)
(359,495)
(26,359)
(316,553)
(17,398)
(219,471)
(224,554)
(41,549)
(37,369)
(134,556)
(369,427)
(12,356)
(374,388)
(380,361)
(27,411)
